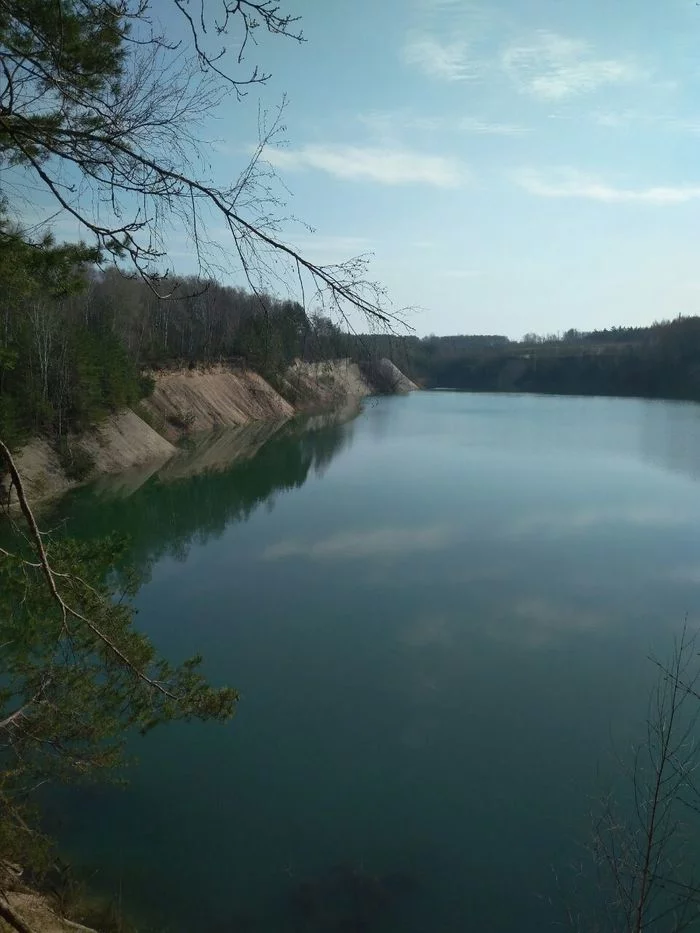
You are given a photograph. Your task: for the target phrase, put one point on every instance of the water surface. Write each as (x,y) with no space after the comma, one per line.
(438,615)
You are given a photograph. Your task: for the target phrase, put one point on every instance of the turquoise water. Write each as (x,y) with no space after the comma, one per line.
(438,615)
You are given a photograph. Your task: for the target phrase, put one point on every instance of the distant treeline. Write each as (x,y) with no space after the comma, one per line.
(659,361)
(75,343)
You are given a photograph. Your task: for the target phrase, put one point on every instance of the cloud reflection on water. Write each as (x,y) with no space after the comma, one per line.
(575,521)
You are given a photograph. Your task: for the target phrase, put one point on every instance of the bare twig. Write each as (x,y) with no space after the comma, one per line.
(643,858)
(50,576)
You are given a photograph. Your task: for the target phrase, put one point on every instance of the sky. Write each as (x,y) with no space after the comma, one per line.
(513,165)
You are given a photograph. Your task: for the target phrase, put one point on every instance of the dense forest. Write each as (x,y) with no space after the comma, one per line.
(76,346)
(659,361)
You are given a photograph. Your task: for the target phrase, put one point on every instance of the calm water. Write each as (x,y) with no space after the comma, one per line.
(438,616)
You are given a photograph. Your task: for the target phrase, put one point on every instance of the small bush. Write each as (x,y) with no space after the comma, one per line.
(157,422)
(77,463)
(146,385)
(182,420)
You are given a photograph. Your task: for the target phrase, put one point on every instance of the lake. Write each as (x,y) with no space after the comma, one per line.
(438,615)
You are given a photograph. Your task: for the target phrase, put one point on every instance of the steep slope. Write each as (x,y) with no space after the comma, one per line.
(123,440)
(324,384)
(202,400)
(198,401)
(388,379)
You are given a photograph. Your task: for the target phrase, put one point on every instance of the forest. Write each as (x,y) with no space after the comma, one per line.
(78,341)
(80,348)
(658,361)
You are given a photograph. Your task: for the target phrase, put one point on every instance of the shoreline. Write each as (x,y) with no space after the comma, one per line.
(195,403)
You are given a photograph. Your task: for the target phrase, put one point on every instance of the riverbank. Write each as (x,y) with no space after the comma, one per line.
(24,909)
(195,401)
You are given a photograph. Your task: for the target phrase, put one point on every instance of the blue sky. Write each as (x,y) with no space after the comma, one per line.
(513,165)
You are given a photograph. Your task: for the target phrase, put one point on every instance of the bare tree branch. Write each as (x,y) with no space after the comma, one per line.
(117,155)
(50,576)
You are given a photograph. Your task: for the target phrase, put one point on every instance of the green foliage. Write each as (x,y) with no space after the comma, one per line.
(39,267)
(182,420)
(71,55)
(10,425)
(77,462)
(166,518)
(79,686)
(145,385)
(660,361)
(74,342)
(59,369)
(157,422)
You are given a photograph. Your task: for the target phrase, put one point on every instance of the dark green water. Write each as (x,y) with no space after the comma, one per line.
(438,616)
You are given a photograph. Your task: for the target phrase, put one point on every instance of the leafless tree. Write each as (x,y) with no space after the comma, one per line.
(645,843)
(122,155)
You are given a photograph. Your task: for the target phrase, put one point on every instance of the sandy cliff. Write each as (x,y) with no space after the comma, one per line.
(202,400)
(190,402)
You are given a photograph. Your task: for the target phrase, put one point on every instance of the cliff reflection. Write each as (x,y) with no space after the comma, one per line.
(222,478)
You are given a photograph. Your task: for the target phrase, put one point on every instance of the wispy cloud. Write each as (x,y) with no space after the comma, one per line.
(436,58)
(621,119)
(538,620)
(388,123)
(553,67)
(487,128)
(684,125)
(614,119)
(359,545)
(573,184)
(386,166)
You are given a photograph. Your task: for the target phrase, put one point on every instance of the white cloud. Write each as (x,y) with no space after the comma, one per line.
(574,184)
(390,122)
(387,166)
(353,545)
(553,67)
(447,61)
(617,119)
(487,128)
(691,126)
